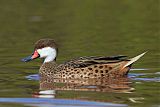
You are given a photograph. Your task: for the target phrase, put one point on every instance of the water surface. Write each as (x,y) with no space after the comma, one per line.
(81,28)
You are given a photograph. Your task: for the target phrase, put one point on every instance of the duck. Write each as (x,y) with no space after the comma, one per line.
(81,67)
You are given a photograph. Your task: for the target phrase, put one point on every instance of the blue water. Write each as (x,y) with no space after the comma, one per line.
(59,102)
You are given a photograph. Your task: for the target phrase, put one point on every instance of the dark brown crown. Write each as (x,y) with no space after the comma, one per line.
(45,43)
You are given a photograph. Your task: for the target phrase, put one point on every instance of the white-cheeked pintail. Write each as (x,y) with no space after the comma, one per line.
(82,67)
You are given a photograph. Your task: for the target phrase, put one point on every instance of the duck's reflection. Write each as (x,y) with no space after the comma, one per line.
(48,86)
(45,94)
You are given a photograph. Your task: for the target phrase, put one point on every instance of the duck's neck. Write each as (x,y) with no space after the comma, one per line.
(49,59)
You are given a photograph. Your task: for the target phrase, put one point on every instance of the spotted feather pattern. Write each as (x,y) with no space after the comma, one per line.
(86,67)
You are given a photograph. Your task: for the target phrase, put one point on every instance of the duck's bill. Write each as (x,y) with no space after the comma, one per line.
(29,58)
(26,59)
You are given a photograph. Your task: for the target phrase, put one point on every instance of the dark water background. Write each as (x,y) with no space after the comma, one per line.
(81,28)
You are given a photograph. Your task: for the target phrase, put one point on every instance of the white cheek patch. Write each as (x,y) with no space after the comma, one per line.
(42,52)
(48,53)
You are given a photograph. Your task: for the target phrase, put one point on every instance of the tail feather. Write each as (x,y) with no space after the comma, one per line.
(132,60)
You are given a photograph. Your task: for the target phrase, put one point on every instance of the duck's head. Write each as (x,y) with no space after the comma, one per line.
(44,48)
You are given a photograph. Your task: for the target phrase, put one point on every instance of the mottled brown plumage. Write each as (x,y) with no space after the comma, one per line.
(84,67)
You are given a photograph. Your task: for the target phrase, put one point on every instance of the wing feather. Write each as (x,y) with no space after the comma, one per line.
(87,61)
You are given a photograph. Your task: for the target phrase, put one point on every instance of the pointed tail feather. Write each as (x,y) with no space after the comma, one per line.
(132,60)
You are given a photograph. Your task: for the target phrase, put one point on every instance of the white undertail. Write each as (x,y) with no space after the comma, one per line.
(132,60)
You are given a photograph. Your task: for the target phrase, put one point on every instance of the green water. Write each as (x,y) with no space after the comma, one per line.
(81,28)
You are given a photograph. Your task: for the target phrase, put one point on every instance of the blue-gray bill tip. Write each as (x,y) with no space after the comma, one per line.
(26,59)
